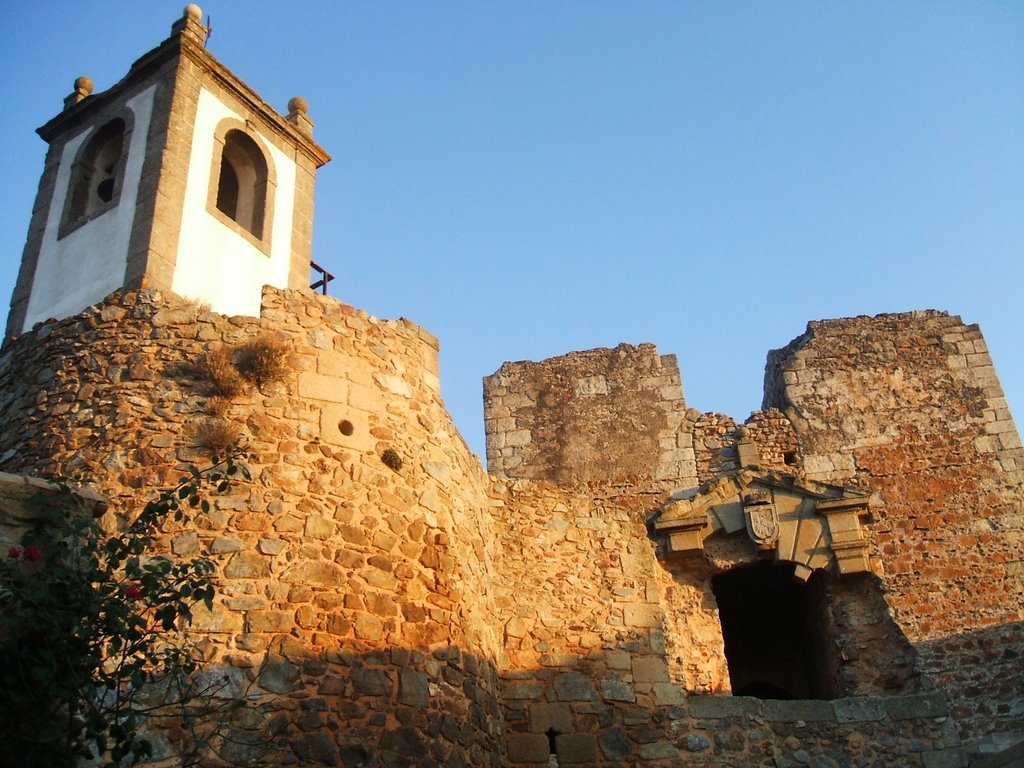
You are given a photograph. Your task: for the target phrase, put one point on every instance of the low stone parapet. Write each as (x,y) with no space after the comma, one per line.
(708,730)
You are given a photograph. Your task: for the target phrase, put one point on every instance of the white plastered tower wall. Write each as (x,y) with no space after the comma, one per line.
(163,221)
(79,268)
(216,263)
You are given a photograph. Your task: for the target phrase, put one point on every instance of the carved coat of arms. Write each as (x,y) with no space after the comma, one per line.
(762,519)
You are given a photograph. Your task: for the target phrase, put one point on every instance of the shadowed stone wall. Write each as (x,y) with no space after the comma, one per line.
(418,612)
(910,404)
(354,598)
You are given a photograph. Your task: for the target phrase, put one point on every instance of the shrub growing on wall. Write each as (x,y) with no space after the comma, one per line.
(88,627)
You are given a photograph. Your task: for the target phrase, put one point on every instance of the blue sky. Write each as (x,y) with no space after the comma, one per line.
(529,178)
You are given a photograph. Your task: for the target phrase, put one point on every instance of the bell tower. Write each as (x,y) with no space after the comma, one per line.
(179,177)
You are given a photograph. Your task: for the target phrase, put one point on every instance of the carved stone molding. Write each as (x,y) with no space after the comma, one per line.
(813,525)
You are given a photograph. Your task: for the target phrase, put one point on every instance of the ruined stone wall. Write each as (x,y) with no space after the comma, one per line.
(605,417)
(717,438)
(772,433)
(607,650)
(416,612)
(354,598)
(714,439)
(910,404)
(578,597)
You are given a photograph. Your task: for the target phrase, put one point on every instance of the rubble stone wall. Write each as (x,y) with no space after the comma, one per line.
(382,601)
(910,405)
(353,597)
(604,416)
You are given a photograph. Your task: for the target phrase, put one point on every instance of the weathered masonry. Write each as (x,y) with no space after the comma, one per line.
(836,581)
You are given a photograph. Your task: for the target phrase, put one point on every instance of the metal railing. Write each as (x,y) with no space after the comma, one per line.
(325,278)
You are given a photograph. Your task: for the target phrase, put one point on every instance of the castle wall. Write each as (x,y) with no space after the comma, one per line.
(415,611)
(907,406)
(605,417)
(353,597)
(911,405)
(610,652)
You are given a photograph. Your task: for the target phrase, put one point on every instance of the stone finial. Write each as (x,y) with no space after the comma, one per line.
(298,108)
(190,25)
(83,88)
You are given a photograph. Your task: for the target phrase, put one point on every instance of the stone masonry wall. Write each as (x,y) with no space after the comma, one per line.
(716,439)
(605,417)
(354,601)
(415,612)
(910,404)
(607,651)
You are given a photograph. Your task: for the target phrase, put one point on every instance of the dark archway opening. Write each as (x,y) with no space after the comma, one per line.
(777,632)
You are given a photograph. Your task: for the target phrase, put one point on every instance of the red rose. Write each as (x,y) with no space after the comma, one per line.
(14,552)
(32,553)
(132,592)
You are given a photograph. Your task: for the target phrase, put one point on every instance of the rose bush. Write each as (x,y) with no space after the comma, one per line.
(90,626)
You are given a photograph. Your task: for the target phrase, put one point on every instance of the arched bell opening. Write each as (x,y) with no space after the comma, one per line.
(97,172)
(242,182)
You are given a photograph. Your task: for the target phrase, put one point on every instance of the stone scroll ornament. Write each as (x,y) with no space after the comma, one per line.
(813,525)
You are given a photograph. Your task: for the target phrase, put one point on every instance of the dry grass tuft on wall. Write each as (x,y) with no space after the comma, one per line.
(262,360)
(218,437)
(219,372)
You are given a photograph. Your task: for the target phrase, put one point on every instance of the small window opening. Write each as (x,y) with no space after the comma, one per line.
(789,457)
(552,735)
(242,182)
(94,178)
(777,632)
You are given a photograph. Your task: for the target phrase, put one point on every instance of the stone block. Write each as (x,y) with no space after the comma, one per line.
(185,543)
(613,689)
(314,572)
(247,565)
(368,627)
(659,750)
(809,710)
(650,669)
(697,742)
(329,389)
(667,695)
(546,716)
(334,364)
(319,527)
(270,621)
(917,705)
(223,544)
(372,682)
(859,710)
(717,707)
(615,659)
(528,748)
(412,688)
(642,615)
(315,748)
(949,758)
(614,744)
(572,686)
(279,676)
(523,690)
(220,619)
(576,748)
(366,399)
